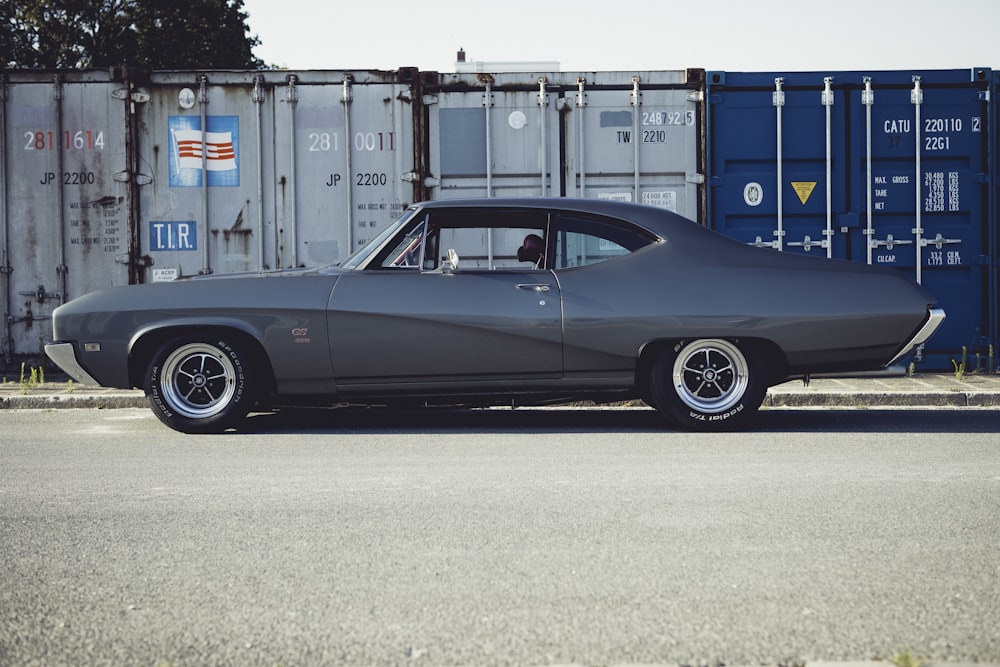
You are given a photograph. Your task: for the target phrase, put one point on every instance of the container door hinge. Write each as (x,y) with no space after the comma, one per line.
(695,179)
(696,96)
(412,177)
(140,179)
(136,97)
(141,262)
(429,100)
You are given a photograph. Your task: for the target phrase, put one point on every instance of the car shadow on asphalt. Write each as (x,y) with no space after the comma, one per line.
(613,420)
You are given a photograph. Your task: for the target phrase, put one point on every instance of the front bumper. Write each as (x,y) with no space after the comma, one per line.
(64,356)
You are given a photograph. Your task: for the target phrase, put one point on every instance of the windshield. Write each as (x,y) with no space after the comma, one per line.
(360,256)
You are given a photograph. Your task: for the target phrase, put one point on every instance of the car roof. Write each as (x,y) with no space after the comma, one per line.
(657,220)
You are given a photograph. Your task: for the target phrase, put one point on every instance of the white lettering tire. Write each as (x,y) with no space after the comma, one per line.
(708,384)
(199,384)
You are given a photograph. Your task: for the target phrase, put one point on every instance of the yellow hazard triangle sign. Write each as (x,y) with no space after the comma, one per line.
(804,190)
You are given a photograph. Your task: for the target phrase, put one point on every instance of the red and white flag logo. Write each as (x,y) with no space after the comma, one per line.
(219,152)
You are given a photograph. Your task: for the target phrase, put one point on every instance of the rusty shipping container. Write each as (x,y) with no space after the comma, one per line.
(65,197)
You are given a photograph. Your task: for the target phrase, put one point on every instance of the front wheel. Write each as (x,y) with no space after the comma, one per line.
(199,384)
(708,385)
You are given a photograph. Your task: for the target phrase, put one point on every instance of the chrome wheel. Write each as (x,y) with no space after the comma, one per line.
(201,383)
(708,384)
(198,380)
(711,376)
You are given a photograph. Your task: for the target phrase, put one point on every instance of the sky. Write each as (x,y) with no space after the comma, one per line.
(636,35)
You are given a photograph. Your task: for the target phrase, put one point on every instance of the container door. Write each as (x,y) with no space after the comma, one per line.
(200,213)
(637,144)
(492,141)
(778,152)
(343,163)
(924,207)
(63,199)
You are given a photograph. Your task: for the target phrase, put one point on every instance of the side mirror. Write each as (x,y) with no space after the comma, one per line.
(451,263)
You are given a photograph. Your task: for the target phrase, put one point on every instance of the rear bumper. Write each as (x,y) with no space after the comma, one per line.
(64,356)
(935,316)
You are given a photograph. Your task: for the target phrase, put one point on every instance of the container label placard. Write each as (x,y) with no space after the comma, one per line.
(666,199)
(215,152)
(804,190)
(173,235)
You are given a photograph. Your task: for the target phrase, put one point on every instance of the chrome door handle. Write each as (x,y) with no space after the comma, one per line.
(534,287)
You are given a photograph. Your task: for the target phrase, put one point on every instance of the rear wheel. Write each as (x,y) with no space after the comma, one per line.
(708,385)
(199,384)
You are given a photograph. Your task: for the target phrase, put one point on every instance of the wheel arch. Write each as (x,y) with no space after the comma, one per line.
(145,343)
(771,356)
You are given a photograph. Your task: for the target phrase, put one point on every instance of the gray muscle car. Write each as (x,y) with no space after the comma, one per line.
(493,301)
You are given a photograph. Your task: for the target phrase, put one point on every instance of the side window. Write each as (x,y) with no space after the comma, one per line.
(407,252)
(581,241)
(487,240)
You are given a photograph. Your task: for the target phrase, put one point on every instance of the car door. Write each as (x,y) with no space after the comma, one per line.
(491,319)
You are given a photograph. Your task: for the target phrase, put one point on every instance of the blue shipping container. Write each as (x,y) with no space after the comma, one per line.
(888,168)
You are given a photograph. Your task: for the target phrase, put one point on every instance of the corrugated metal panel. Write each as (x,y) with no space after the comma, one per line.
(64,195)
(620,135)
(299,169)
(880,167)
(994,224)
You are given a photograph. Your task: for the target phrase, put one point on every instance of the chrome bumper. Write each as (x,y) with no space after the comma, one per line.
(935,316)
(64,356)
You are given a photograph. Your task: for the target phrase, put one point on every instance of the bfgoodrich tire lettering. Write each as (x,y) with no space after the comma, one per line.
(708,384)
(199,384)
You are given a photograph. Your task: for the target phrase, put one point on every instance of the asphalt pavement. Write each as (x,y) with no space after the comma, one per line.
(921,390)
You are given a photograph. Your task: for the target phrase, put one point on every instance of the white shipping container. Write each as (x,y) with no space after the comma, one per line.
(64,197)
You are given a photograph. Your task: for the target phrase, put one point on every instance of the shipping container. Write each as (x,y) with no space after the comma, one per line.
(604,135)
(887,168)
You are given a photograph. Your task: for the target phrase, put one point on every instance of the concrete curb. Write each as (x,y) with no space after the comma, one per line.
(920,391)
(929,399)
(78,399)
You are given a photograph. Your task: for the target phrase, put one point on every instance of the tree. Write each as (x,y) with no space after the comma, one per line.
(159,34)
